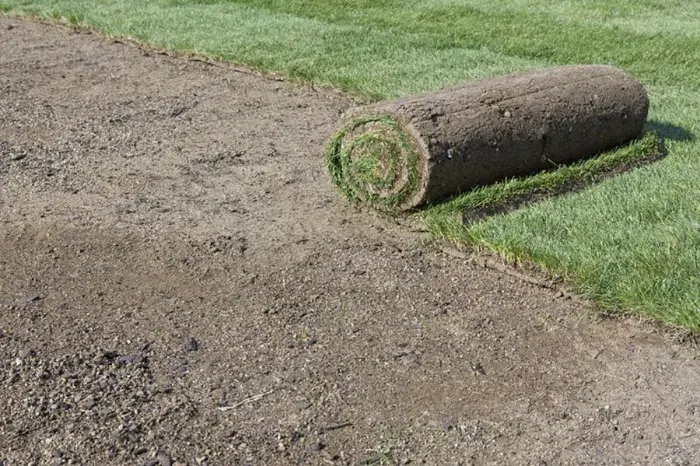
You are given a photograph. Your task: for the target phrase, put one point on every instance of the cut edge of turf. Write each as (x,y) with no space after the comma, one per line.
(547,272)
(505,196)
(601,304)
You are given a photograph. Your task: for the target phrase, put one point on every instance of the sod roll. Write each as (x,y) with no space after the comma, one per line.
(402,154)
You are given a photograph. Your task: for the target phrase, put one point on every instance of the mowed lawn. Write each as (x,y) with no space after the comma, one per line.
(632,242)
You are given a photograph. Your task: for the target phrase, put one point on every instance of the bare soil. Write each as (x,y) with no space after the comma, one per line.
(180,284)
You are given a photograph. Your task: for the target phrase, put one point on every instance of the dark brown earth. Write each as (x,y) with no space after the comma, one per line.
(180,284)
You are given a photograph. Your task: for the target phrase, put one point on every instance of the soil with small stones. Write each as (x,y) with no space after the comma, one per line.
(180,284)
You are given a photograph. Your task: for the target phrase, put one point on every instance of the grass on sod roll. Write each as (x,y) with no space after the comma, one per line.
(631,242)
(378,167)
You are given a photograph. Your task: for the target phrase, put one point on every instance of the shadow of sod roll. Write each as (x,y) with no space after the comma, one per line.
(402,154)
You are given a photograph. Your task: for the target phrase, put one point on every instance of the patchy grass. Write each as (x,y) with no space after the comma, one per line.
(631,242)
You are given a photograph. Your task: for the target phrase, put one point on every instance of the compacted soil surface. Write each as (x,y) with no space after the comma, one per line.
(180,284)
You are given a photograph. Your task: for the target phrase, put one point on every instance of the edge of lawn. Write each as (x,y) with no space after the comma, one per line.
(358,96)
(453,221)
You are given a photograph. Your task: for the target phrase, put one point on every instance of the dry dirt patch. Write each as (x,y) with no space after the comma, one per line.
(180,283)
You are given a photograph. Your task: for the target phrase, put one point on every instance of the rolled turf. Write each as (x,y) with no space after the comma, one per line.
(398,155)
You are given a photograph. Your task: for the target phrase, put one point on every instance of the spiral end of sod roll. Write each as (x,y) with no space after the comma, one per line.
(376,162)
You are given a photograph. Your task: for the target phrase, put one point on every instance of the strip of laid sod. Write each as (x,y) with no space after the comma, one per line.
(541,185)
(630,242)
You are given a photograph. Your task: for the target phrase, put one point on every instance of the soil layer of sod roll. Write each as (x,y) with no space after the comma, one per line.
(402,154)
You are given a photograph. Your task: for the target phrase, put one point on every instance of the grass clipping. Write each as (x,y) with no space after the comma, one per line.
(374,161)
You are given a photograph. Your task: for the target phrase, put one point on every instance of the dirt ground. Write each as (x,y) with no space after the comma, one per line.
(180,284)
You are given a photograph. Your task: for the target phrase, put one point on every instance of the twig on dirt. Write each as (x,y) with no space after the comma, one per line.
(493,265)
(337,426)
(583,315)
(507,270)
(497,266)
(456,253)
(202,60)
(246,401)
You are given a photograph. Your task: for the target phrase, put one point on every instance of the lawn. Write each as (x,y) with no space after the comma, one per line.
(631,242)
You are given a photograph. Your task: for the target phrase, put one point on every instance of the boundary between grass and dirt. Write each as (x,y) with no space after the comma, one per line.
(446,222)
(237,67)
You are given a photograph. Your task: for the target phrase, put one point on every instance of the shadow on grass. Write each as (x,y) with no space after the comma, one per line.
(668,131)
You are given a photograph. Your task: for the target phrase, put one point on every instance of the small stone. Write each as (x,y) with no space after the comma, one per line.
(301,405)
(88,402)
(27,353)
(201,459)
(181,367)
(192,345)
(318,446)
(164,459)
(128,359)
(140,450)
